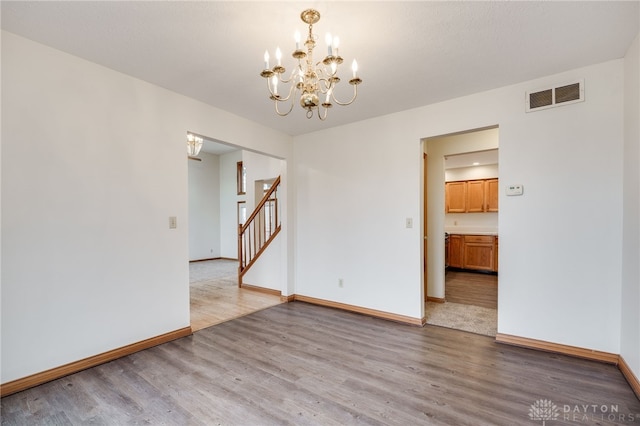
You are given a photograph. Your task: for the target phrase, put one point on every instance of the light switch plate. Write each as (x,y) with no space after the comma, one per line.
(173,222)
(515,190)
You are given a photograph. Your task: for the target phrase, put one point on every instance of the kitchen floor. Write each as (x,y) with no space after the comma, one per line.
(471,288)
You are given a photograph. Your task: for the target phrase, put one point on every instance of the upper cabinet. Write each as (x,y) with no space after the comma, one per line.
(472,196)
(491,189)
(456,197)
(475,196)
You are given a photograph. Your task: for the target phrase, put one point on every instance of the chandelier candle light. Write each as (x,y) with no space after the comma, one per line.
(311,81)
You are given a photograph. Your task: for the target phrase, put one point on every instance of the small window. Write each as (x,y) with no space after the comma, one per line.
(241,175)
(242,212)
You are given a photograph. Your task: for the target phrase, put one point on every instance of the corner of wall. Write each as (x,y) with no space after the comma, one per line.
(630,295)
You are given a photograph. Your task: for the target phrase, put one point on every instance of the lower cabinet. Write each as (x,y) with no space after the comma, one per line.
(495,256)
(455,250)
(476,252)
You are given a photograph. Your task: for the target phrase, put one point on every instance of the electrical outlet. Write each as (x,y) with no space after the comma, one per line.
(340,282)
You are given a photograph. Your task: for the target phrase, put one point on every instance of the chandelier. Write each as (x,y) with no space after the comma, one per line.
(194,144)
(309,81)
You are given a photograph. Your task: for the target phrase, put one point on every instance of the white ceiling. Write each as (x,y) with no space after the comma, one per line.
(483,158)
(213,147)
(409,53)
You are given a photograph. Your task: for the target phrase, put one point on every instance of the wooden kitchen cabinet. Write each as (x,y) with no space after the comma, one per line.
(455,251)
(495,255)
(491,190)
(471,196)
(478,252)
(456,197)
(474,252)
(475,196)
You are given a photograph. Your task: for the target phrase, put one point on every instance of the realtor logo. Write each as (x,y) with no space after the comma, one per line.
(543,410)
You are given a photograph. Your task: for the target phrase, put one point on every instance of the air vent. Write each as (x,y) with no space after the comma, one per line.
(541,99)
(568,93)
(555,96)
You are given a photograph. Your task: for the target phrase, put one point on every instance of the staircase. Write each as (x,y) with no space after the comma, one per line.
(255,235)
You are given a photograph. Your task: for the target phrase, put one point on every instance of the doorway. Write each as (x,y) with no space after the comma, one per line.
(461,260)
(216,206)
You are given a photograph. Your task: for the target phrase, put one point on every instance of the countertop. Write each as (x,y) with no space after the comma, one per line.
(470,231)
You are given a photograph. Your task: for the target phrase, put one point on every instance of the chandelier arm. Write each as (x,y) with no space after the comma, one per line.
(282,114)
(326,86)
(320,116)
(292,91)
(355,95)
(323,73)
(279,98)
(292,76)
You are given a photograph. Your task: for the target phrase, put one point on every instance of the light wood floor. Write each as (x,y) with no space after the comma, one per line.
(219,299)
(299,364)
(472,288)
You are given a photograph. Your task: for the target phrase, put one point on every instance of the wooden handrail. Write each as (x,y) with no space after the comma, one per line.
(264,200)
(256,234)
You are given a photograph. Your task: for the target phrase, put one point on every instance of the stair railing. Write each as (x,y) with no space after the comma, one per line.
(255,235)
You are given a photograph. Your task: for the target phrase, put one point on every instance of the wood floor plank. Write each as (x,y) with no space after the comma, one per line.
(302,364)
(471,288)
(215,296)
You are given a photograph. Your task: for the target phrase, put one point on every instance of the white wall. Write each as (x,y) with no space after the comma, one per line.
(259,167)
(229,204)
(356,185)
(560,242)
(204,207)
(630,336)
(93,164)
(468,223)
(486,171)
(560,248)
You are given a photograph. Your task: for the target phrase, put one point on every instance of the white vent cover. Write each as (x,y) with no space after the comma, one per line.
(563,94)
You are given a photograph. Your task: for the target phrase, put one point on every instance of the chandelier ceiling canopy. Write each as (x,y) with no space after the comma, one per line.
(309,81)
